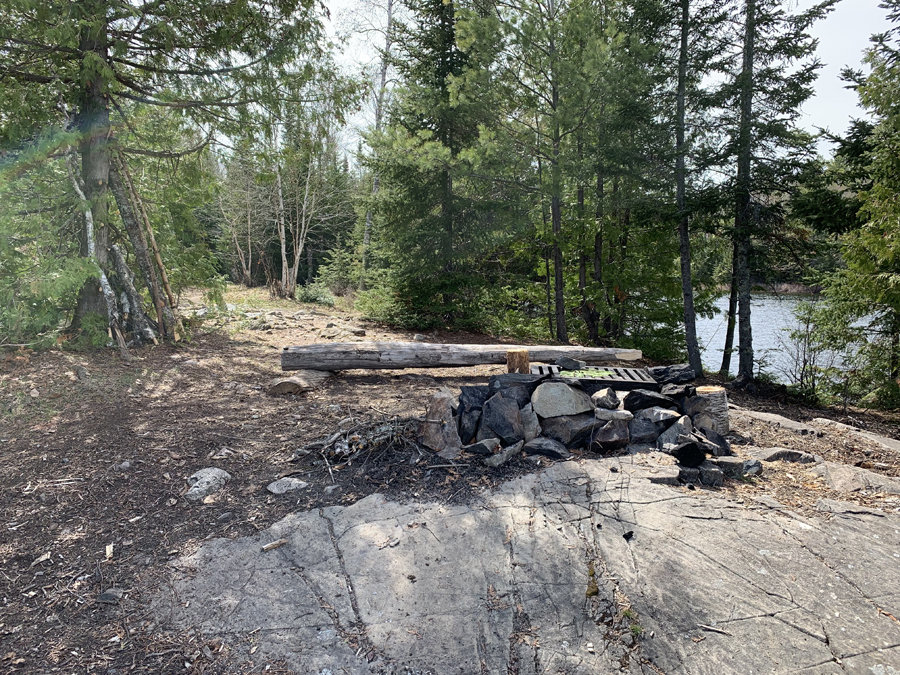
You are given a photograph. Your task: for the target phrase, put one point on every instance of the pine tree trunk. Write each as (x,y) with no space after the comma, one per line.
(93,124)
(684,239)
(744,215)
(285,289)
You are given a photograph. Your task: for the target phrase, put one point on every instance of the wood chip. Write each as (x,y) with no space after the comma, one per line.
(275,544)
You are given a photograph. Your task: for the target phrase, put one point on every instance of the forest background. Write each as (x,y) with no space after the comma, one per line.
(595,171)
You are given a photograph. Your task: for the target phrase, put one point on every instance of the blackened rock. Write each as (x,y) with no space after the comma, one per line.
(679,390)
(468,425)
(520,394)
(711,475)
(638,399)
(605,398)
(678,374)
(570,430)
(546,447)
(611,436)
(484,432)
(688,474)
(530,422)
(507,380)
(689,454)
(486,448)
(504,455)
(567,363)
(717,439)
(670,436)
(473,398)
(502,415)
(642,431)
(732,467)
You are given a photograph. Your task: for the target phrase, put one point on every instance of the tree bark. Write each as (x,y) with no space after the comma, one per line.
(139,242)
(725,368)
(380,355)
(684,239)
(744,214)
(93,124)
(140,327)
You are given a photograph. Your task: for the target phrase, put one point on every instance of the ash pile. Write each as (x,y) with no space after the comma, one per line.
(567,413)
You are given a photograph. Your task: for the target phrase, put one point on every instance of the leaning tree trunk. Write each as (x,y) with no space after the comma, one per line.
(140,326)
(139,243)
(725,369)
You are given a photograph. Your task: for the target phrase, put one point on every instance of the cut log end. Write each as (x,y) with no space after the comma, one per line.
(517,361)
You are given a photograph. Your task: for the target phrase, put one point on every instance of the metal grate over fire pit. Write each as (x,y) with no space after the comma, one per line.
(622,379)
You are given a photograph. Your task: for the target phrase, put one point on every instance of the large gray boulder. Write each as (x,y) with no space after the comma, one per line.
(555,399)
(611,436)
(670,436)
(571,430)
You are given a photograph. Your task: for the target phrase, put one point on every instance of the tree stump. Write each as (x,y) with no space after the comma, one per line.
(517,361)
(715,416)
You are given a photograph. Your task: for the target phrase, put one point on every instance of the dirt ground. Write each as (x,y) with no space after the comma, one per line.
(96,452)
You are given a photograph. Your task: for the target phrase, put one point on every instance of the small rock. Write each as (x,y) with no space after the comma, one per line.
(715,438)
(546,447)
(678,391)
(358,332)
(605,398)
(531,425)
(570,430)
(611,436)
(190,362)
(205,482)
(782,455)
(33,393)
(682,427)
(124,466)
(330,324)
(299,382)
(282,485)
(711,475)
(507,380)
(567,363)
(222,453)
(504,456)
(732,467)
(473,398)
(678,374)
(468,424)
(418,337)
(486,448)
(638,399)
(752,467)
(609,415)
(555,399)
(111,596)
(657,414)
(330,489)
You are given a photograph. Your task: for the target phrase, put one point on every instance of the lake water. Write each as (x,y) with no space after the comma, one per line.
(770,315)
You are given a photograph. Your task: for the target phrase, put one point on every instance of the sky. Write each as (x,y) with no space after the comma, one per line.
(843,36)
